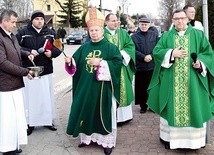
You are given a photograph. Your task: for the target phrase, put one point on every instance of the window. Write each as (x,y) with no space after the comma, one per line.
(48,7)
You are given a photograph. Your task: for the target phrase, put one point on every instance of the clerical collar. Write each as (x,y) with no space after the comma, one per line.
(38,30)
(111,31)
(181,33)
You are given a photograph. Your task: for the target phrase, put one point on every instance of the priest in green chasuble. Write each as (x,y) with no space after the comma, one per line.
(123,41)
(95,68)
(181,90)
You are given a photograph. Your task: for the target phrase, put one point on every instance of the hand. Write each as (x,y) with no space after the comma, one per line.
(31,57)
(196,65)
(148,58)
(34,53)
(68,60)
(30,75)
(177,53)
(48,53)
(94,61)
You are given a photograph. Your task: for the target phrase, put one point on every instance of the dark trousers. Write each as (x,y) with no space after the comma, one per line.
(142,80)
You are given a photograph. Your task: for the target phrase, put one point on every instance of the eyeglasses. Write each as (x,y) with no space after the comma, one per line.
(180,18)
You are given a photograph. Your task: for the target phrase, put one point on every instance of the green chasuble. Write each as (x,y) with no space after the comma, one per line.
(180,94)
(92,99)
(124,42)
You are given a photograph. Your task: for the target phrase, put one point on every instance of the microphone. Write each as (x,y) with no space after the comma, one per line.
(41,50)
(194,57)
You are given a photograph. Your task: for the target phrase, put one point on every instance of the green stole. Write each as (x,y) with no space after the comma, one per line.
(124,42)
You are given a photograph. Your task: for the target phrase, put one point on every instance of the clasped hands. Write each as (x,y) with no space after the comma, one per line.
(148,58)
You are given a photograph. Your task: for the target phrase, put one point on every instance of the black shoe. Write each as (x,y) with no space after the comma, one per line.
(120,124)
(165,143)
(52,128)
(18,150)
(82,145)
(167,146)
(30,130)
(123,123)
(142,111)
(107,151)
(10,153)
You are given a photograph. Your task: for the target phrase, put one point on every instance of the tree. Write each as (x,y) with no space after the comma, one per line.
(195,3)
(7,4)
(166,10)
(136,18)
(199,16)
(123,20)
(123,4)
(72,10)
(211,21)
(83,19)
(22,7)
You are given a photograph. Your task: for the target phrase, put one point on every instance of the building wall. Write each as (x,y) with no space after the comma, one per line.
(51,10)
(49,7)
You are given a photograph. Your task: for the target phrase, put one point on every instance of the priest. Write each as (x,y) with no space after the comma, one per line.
(120,37)
(181,90)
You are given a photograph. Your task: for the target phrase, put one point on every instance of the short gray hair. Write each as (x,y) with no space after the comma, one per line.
(6,14)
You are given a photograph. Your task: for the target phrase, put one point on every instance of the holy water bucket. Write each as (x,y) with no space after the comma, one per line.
(37,70)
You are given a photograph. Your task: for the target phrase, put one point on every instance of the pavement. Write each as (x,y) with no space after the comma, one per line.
(138,137)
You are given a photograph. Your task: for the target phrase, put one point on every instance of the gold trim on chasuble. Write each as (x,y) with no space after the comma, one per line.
(123,99)
(181,83)
(114,39)
(94,54)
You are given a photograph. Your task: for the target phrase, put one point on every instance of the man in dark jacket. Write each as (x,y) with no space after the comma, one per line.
(38,40)
(144,40)
(63,33)
(12,117)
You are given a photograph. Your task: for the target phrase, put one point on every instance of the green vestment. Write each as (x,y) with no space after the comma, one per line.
(124,42)
(92,99)
(180,94)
